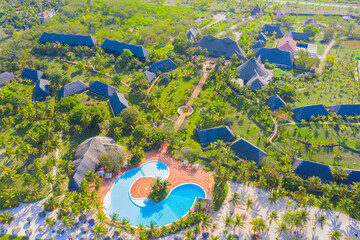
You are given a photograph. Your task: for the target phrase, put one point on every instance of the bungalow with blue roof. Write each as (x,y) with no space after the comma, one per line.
(308,169)
(69,39)
(305,113)
(117,47)
(346,110)
(118,103)
(262,37)
(6,77)
(270,29)
(353,176)
(298,36)
(211,135)
(73,88)
(31,74)
(259,44)
(193,33)
(282,59)
(311,21)
(102,89)
(275,102)
(42,89)
(162,66)
(250,152)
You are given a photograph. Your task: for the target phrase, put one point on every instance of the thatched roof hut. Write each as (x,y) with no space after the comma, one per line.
(28,231)
(42,230)
(83,237)
(84,228)
(5,227)
(15,231)
(72,236)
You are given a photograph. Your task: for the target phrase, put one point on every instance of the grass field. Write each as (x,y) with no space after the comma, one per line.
(353,43)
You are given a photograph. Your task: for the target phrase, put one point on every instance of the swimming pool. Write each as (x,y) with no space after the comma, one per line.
(141,211)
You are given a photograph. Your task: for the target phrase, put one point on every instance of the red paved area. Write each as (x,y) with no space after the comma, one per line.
(141,188)
(179,173)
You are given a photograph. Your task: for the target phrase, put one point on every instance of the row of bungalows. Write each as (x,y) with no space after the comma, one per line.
(116,47)
(159,67)
(307,169)
(319,110)
(241,147)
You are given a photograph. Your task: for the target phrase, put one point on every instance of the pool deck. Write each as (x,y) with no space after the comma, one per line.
(179,174)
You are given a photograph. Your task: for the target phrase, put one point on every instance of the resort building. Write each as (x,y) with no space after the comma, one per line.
(298,36)
(256,10)
(73,88)
(102,89)
(68,39)
(275,102)
(311,21)
(259,44)
(281,58)
(42,89)
(118,103)
(149,76)
(87,158)
(307,169)
(305,113)
(117,47)
(287,44)
(31,74)
(217,47)
(250,152)
(162,66)
(253,75)
(346,110)
(262,37)
(211,135)
(6,77)
(193,33)
(270,29)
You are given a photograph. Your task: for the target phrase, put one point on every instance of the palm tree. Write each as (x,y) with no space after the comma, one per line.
(273,198)
(49,222)
(249,204)
(217,146)
(325,204)
(124,225)
(230,236)
(238,223)
(273,217)
(282,228)
(259,225)
(339,174)
(335,235)
(212,237)
(206,223)
(152,226)
(67,221)
(5,217)
(199,206)
(235,200)
(228,222)
(99,230)
(321,220)
(189,234)
(346,205)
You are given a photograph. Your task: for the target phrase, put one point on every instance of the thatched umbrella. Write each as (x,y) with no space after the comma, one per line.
(72,236)
(5,227)
(82,217)
(16,230)
(83,237)
(29,219)
(42,230)
(91,221)
(42,214)
(28,231)
(84,228)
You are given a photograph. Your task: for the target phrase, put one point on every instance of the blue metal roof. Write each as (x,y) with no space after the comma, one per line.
(211,135)
(262,37)
(259,44)
(276,56)
(118,47)
(118,103)
(70,39)
(149,76)
(162,66)
(102,89)
(31,74)
(248,151)
(275,102)
(346,110)
(313,169)
(353,177)
(5,77)
(73,88)
(305,113)
(270,29)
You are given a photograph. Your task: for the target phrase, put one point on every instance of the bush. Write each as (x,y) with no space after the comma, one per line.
(112,159)
(159,190)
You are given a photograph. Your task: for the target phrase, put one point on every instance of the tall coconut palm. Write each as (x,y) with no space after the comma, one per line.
(346,205)
(282,228)
(206,223)
(100,230)
(339,174)
(324,203)
(258,225)
(273,198)
(273,217)
(249,204)
(235,200)
(321,220)
(238,223)
(124,224)
(189,234)
(335,235)
(49,222)
(152,226)
(227,220)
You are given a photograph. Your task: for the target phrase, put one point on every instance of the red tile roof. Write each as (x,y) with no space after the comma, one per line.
(287,44)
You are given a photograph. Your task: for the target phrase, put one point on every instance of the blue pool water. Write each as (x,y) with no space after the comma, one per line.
(142,211)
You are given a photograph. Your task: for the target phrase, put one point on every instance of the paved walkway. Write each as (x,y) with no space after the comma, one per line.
(194,95)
